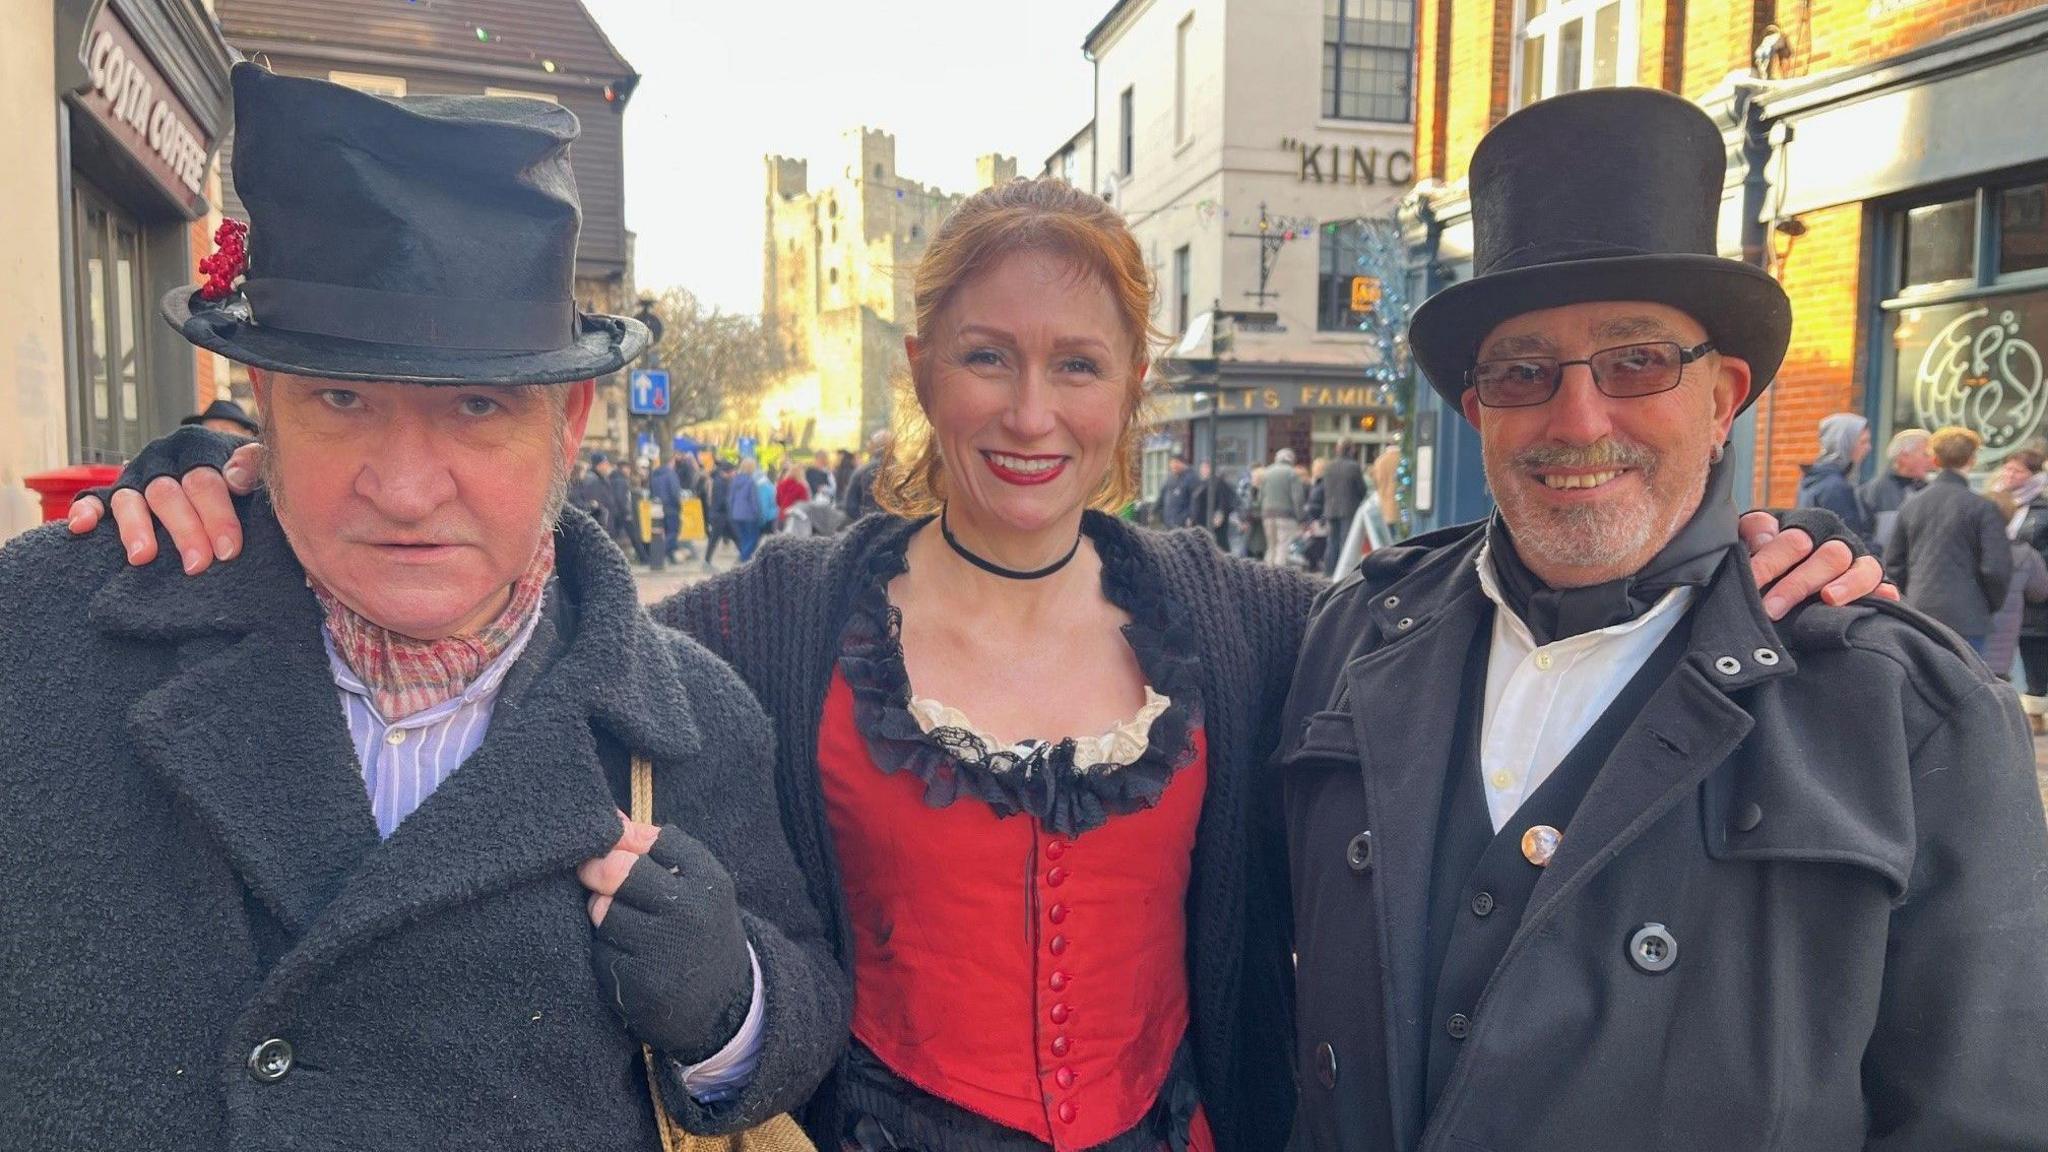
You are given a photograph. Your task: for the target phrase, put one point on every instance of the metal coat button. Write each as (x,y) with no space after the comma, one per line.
(1326,1065)
(1392,602)
(1482,905)
(1749,817)
(1653,948)
(1727,665)
(1459,1026)
(1358,853)
(271,1060)
(1764,656)
(1405,623)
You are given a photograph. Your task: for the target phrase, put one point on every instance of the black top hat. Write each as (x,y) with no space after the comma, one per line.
(224,410)
(1607,194)
(428,240)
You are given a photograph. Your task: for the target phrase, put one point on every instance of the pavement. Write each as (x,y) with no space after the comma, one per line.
(660,585)
(2041,765)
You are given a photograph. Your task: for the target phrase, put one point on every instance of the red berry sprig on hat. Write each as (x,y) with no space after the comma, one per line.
(229,261)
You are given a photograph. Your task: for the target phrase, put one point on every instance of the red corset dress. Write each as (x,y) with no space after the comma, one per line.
(1018,914)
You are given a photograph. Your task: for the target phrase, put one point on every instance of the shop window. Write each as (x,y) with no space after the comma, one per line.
(1567,45)
(1966,322)
(113,399)
(1939,242)
(1368,59)
(1343,245)
(2023,228)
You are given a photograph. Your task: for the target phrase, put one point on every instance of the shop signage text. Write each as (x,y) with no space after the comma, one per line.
(130,97)
(1297,397)
(1977,365)
(1338,164)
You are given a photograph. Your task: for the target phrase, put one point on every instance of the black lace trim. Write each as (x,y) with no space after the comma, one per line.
(1044,782)
(882,1112)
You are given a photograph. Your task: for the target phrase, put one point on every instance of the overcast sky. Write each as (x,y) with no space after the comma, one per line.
(729,81)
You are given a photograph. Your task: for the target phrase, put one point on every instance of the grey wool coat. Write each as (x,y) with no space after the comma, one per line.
(192,869)
(1835,818)
(1949,556)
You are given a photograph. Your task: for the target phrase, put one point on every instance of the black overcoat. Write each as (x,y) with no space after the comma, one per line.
(1835,818)
(1949,555)
(192,870)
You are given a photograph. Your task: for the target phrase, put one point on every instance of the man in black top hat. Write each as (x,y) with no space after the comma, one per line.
(227,418)
(1586,852)
(324,849)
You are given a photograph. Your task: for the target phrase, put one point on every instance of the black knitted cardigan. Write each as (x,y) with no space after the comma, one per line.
(777,621)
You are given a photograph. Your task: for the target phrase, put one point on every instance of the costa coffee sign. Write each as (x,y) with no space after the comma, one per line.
(130,98)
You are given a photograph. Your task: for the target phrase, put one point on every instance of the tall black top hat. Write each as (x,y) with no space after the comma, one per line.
(428,240)
(1607,194)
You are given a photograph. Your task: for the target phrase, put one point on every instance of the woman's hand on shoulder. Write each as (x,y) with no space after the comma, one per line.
(197,509)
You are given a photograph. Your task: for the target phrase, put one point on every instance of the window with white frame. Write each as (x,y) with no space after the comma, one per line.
(1368,59)
(1567,45)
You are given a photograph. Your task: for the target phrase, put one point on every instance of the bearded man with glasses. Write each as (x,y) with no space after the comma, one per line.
(1585,851)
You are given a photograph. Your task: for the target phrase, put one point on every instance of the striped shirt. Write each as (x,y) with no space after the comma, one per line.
(404,760)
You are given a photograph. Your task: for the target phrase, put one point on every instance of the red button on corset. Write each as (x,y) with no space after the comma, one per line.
(956,1000)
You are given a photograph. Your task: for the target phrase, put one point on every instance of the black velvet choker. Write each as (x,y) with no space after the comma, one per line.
(995,569)
(1690,559)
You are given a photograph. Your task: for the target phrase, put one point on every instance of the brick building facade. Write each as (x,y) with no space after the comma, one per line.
(1883,164)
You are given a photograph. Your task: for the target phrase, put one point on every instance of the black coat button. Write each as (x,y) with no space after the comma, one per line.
(1459,1026)
(1482,904)
(1326,1065)
(1748,818)
(1653,948)
(1358,853)
(271,1060)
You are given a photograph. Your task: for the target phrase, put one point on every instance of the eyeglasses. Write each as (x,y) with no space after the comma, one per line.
(1623,372)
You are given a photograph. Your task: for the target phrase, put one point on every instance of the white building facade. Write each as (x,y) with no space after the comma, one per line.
(1245,141)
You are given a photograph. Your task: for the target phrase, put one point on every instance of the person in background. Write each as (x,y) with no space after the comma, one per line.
(746,508)
(666,488)
(1907,463)
(1314,540)
(717,495)
(790,490)
(1949,554)
(857,498)
(1282,496)
(1171,509)
(1830,482)
(1343,491)
(1386,482)
(1213,505)
(227,417)
(842,474)
(2028,587)
(818,477)
(1251,527)
(616,493)
(593,492)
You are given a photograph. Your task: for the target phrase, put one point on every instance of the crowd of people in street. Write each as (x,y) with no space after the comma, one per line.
(1966,546)
(647,509)
(1320,517)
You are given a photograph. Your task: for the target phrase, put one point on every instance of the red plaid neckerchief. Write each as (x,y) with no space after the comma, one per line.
(405,675)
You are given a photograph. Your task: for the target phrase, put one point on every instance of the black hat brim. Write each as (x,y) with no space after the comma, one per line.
(1744,310)
(603,344)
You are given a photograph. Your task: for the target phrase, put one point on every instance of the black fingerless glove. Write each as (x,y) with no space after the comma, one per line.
(174,455)
(671,954)
(1823,526)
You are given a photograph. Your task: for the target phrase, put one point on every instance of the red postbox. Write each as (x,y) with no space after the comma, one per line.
(59,486)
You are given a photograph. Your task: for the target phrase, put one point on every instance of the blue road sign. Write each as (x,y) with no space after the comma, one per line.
(650,392)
